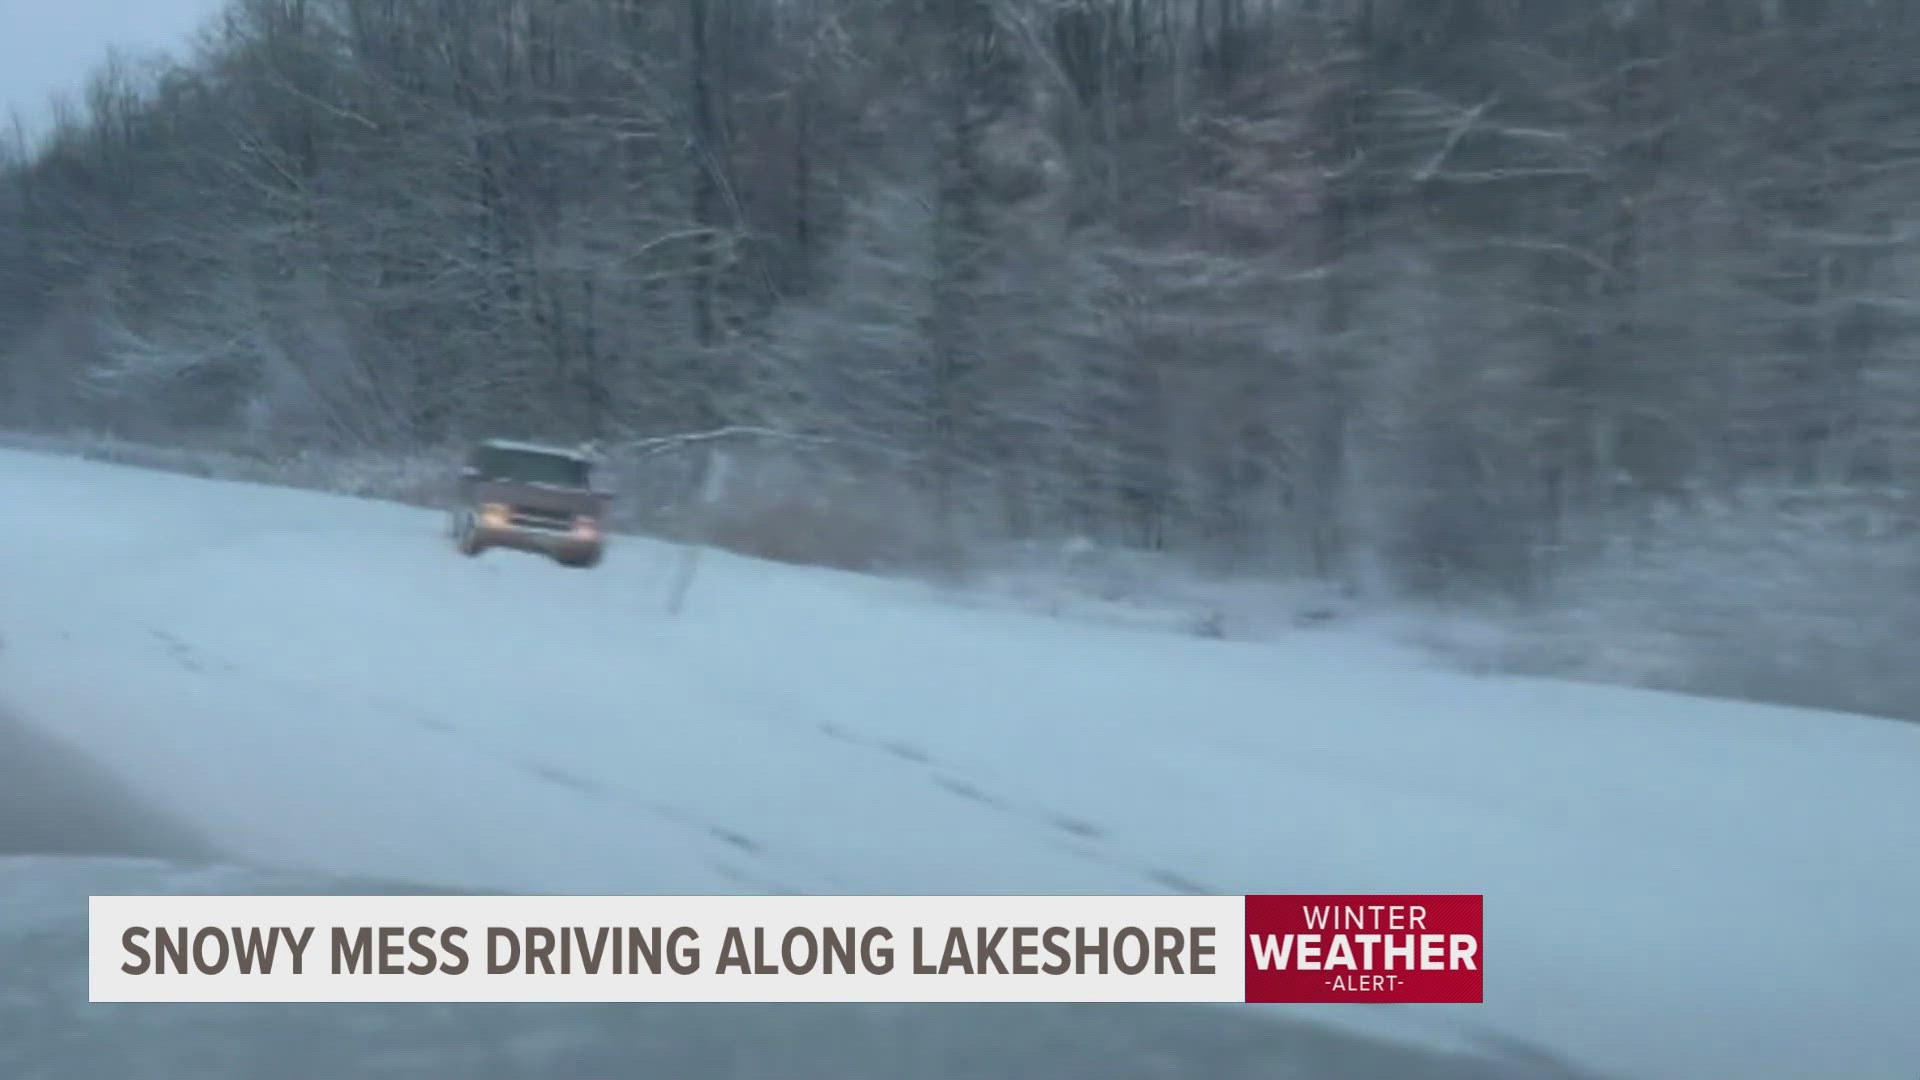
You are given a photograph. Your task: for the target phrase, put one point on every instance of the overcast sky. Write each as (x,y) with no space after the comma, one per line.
(51,46)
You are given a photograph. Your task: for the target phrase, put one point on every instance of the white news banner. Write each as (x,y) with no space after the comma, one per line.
(667,948)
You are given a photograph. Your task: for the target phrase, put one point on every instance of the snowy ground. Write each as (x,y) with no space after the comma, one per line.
(1676,887)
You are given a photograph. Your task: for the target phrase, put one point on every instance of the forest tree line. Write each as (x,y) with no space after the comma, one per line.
(1425,294)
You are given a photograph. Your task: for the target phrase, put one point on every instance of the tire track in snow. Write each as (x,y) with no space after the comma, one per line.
(733,843)
(1067,832)
(1064,832)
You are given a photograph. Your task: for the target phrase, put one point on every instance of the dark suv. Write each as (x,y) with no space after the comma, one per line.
(530,498)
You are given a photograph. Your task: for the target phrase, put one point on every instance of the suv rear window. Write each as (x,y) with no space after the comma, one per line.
(531,467)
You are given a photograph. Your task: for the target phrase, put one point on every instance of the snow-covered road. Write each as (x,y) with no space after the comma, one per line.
(1675,887)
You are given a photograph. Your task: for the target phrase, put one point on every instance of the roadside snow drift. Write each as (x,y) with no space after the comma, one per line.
(1675,887)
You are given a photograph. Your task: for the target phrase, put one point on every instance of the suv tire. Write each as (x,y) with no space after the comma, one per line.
(467,535)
